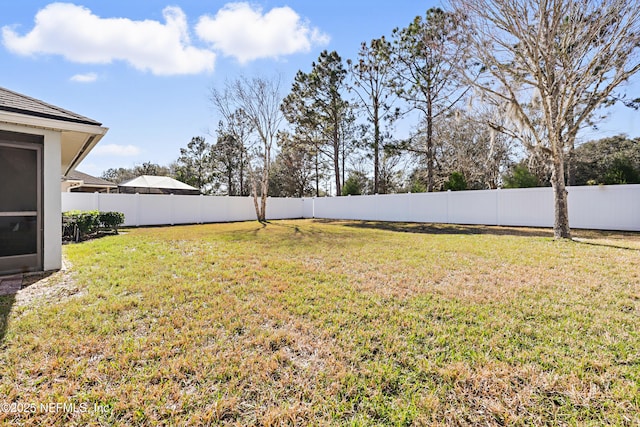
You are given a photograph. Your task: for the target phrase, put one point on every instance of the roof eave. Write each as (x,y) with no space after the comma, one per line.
(94,185)
(94,133)
(91,142)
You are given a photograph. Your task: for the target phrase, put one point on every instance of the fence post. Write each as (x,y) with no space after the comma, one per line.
(137,209)
(498,195)
(96,201)
(172,201)
(201,206)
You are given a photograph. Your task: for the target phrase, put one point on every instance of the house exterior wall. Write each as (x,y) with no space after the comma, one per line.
(66,185)
(51,204)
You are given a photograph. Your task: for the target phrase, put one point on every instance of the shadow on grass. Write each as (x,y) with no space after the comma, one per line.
(31,278)
(429,228)
(608,244)
(9,286)
(6,302)
(612,239)
(295,228)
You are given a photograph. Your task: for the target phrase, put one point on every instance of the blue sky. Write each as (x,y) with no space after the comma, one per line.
(144,67)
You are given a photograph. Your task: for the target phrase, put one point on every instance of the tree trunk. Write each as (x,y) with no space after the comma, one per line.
(254,194)
(241,172)
(561,228)
(429,145)
(317,173)
(344,156)
(336,168)
(336,165)
(258,206)
(376,150)
(263,204)
(264,185)
(571,166)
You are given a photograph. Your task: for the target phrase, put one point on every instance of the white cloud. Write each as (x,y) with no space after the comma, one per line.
(80,36)
(84,78)
(116,150)
(246,33)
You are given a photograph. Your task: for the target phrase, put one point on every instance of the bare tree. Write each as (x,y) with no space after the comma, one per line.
(465,144)
(563,57)
(258,100)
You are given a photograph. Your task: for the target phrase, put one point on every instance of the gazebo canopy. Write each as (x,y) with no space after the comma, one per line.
(150,184)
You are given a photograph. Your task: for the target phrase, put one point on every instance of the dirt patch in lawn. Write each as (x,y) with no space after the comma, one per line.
(48,287)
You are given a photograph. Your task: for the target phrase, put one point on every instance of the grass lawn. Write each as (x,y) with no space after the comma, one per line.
(332,323)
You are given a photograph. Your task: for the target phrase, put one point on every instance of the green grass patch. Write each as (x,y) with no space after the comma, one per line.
(334,323)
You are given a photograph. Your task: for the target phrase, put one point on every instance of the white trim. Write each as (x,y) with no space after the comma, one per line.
(88,145)
(19,213)
(52,124)
(51,202)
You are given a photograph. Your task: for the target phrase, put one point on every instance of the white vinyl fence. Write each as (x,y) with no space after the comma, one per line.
(158,209)
(615,207)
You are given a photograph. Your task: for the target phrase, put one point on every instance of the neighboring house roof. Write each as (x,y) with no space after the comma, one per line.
(151,181)
(89,180)
(17,103)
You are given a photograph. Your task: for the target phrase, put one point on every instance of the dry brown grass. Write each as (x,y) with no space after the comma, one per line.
(335,323)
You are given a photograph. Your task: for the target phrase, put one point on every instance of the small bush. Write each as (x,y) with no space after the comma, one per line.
(418,187)
(111,220)
(456,182)
(78,225)
(520,177)
(352,187)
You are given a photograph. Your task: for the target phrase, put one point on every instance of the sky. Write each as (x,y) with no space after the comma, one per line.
(144,68)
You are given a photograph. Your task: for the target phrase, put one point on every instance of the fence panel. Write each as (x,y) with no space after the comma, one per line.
(605,207)
(212,209)
(529,207)
(155,210)
(428,207)
(240,209)
(613,207)
(285,208)
(185,209)
(79,201)
(472,207)
(125,203)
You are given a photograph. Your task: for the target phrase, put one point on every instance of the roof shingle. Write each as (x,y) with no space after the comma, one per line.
(17,103)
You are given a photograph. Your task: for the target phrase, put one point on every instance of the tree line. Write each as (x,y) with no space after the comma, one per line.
(496,92)
(606,161)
